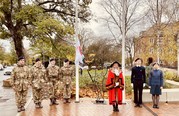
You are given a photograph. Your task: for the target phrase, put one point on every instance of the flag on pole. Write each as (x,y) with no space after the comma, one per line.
(79,55)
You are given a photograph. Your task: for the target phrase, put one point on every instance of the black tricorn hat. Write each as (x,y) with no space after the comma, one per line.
(20,58)
(116,62)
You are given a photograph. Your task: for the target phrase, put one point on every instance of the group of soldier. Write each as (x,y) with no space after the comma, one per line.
(37,76)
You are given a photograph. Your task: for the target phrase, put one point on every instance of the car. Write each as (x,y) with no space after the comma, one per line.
(85,67)
(8,70)
(107,65)
(1,67)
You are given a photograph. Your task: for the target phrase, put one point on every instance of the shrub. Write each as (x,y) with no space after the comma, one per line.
(169,75)
(128,85)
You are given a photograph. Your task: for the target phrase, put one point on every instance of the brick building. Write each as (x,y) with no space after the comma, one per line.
(150,42)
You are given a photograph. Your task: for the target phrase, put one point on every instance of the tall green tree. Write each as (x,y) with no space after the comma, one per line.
(35,21)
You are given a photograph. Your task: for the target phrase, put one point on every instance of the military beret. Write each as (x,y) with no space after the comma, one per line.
(66,60)
(138,59)
(38,59)
(52,59)
(20,58)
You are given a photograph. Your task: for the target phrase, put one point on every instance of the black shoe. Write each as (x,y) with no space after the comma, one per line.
(40,105)
(157,107)
(19,109)
(22,108)
(154,106)
(51,101)
(140,106)
(36,105)
(136,105)
(55,101)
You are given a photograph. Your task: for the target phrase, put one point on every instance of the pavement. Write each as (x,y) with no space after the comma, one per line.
(7,98)
(86,107)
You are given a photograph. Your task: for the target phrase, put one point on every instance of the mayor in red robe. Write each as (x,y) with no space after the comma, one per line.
(115,85)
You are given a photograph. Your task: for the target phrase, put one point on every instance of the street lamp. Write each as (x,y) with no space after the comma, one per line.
(177,37)
(159,34)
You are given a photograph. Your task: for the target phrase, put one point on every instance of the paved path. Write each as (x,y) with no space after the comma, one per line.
(87,108)
(7,98)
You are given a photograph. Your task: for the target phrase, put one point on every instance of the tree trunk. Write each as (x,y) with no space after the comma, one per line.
(130,57)
(18,44)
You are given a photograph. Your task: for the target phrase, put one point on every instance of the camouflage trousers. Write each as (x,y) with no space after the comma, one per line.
(53,89)
(37,95)
(20,97)
(67,91)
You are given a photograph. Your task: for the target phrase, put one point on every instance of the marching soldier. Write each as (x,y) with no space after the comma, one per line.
(53,75)
(67,73)
(20,83)
(38,80)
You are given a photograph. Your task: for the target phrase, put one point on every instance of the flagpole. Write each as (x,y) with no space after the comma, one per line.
(123,45)
(77,66)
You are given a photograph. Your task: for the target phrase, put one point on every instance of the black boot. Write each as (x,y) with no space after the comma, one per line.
(55,101)
(117,109)
(51,101)
(19,109)
(36,105)
(40,105)
(114,108)
(22,108)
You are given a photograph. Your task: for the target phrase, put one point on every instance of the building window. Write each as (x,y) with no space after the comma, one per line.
(152,40)
(160,50)
(170,51)
(139,51)
(160,40)
(151,50)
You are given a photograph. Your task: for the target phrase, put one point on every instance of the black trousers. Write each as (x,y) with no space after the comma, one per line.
(138,88)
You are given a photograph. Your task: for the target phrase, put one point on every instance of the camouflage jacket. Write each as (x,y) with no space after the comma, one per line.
(67,73)
(20,78)
(38,76)
(53,73)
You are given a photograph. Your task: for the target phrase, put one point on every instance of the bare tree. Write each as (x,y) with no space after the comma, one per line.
(130,49)
(86,37)
(114,19)
(160,14)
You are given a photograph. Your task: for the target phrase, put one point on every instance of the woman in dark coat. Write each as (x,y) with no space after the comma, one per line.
(115,85)
(156,84)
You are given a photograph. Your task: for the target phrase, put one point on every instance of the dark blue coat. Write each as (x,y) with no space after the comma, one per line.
(156,78)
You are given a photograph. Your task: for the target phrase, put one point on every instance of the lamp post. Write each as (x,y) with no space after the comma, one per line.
(158,46)
(177,37)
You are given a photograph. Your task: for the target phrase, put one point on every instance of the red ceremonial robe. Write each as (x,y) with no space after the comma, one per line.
(115,93)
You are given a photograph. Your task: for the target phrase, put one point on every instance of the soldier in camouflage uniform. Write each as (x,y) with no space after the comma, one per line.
(53,77)
(38,73)
(20,83)
(67,73)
